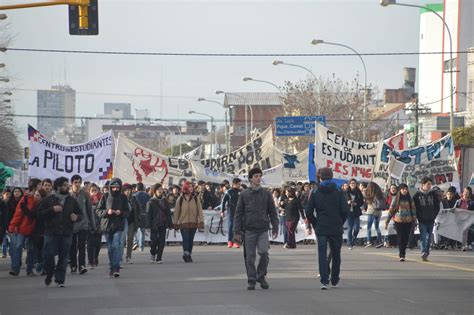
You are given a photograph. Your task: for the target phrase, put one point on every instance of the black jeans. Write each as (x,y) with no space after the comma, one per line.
(157,242)
(335,243)
(78,245)
(56,245)
(94,243)
(403,233)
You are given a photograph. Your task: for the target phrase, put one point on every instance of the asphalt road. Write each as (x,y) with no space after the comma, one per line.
(373,281)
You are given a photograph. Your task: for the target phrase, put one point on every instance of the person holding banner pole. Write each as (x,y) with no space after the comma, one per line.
(402,210)
(427,209)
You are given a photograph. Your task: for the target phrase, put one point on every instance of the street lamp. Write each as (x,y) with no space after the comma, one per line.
(386,3)
(245,79)
(226,133)
(2,65)
(4,80)
(366,116)
(171,133)
(7,93)
(212,124)
(3,16)
(245,111)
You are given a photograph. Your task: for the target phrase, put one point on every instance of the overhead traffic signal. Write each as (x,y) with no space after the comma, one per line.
(84,19)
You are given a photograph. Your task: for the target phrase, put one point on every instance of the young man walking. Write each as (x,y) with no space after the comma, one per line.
(229,203)
(255,211)
(427,209)
(327,211)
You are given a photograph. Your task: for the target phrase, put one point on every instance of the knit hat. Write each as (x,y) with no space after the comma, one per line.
(254,171)
(115,182)
(325,173)
(127,186)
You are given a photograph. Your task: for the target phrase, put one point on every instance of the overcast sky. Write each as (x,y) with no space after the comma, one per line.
(201,27)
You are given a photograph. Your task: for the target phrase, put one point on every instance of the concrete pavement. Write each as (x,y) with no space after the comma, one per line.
(373,281)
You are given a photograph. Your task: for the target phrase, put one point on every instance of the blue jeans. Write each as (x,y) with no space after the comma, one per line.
(353,228)
(230,225)
(188,240)
(140,238)
(335,244)
(5,244)
(56,245)
(373,219)
(113,250)
(123,239)
(426,230)
(16,251)
(283,228)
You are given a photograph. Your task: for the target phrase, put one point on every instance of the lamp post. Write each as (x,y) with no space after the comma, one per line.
(4,80)
(280,62)
(386,3)
(245,111)
(365,111)
(226,133)
(180,136)
(212,126)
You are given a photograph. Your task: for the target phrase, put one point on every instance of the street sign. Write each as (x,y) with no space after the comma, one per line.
(291,126)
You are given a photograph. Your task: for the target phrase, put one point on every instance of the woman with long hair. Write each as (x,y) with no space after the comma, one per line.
(374,207)
(294,211)
(403,212)
(355,200)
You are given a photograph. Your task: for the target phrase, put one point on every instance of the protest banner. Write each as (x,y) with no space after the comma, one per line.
(435,160)
(194,154)
(258,152)
(452,223)
(347,158)
(137,164)
(91,160)
(294,166)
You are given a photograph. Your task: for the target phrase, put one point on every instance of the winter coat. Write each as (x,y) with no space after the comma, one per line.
(402,210)
(158,214)
(255,211)
(188,214)
(135,212)
(143,199)
(327,209)
(229,202)
(113,223)
(355,210)
(294,210)
(84,202)
(58,223)
(23,220)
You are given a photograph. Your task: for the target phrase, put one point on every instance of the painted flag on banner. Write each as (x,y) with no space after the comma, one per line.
(91,160)
(435,160)
(294,166)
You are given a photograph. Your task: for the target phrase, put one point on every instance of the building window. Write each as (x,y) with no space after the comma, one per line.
(447,67)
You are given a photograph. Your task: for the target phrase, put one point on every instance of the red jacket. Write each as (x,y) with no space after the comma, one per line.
(24,223)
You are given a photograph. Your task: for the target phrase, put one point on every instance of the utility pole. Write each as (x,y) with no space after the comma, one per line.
(417,110)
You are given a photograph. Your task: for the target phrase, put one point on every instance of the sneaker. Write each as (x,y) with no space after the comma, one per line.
(82,270)
(4,256)
(159,262)
(230,244)
(60,285)
(31,274)
(350,247)
(236,245)
(324,286)
(135,246)
(402,259)
(153,259)
(379,245)
(13,273)
(251,285)
(185,258)
(111,274)
(116,274)
(319,276)
(263,283)
(73,270)
(286,246)
(335,285)
(368,245)
(142,249)
(128,261)
(424,256)
(190,259)
(47,281)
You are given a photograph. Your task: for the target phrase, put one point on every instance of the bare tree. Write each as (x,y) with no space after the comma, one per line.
(341,102)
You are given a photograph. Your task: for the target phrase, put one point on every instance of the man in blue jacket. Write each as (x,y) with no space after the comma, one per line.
(327,211)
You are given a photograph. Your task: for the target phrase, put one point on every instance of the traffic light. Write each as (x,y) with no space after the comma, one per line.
(84,19)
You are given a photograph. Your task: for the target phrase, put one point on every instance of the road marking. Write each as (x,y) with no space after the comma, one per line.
(425,262)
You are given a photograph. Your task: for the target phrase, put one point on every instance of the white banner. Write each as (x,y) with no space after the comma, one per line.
(91,160)
(19,179)
(194,155)
(436,160)
(452,223)
(258,152)
(347,158)
(294,166)
(137,164)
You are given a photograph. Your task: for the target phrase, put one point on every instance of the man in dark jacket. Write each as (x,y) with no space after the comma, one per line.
(253,215)
(113,209)
(133,220)
(331,210)
(229,203)
(159,219)
(143,198)
(59,211)
(427,209)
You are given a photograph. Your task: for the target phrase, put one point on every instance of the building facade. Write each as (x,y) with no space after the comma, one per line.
(59,107)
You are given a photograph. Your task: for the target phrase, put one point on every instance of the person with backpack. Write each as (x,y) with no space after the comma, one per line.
(58,211)
(113,209)
(229,203)
(188,217)
(374,206)
(158,220)
(402,210)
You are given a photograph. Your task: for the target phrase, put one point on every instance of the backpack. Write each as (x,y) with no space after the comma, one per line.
(181,201)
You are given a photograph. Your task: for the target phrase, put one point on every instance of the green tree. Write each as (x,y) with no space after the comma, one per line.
(464,135)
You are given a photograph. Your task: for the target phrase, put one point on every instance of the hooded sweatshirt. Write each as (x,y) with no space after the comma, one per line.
(115,200)
(59,223)
(327,209)
(426,205)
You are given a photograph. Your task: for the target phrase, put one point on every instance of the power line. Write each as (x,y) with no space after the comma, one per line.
(141,53)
